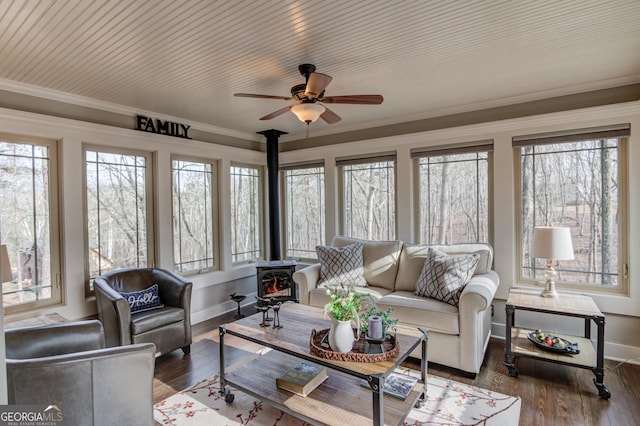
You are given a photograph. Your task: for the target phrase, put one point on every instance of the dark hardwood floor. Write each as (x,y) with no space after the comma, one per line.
(551,394)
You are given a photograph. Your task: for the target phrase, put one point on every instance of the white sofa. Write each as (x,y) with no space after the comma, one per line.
(458,336)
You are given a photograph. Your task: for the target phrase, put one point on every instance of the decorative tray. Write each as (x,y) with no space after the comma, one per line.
(320,347)
(569,348)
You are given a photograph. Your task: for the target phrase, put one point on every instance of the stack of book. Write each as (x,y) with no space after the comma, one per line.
(302,379)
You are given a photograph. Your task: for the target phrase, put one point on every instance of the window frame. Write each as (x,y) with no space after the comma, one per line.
(214,194)
(623,244)
(284,200)
(150,163)
(484,146)
(55,224)
(260,212)
(369,159)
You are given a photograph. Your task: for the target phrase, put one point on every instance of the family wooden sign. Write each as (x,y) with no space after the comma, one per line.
(162,127)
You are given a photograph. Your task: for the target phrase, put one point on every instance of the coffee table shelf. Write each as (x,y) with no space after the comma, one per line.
(340,399)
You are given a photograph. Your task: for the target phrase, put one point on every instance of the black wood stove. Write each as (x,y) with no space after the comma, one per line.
(275,280)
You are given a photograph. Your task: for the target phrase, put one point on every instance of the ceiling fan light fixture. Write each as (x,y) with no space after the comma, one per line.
(308,112)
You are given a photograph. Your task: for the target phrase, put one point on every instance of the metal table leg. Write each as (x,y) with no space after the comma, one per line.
(509,356)
(228,396)
(599,370)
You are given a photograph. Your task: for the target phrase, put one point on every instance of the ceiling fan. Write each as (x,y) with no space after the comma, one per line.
(310,96)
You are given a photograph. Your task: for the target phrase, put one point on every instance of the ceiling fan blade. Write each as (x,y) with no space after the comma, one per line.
(329,116)
(276,113)
(316,84)
(252,95)
(353,99)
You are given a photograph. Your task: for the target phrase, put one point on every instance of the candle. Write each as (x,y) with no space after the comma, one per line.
(375,327)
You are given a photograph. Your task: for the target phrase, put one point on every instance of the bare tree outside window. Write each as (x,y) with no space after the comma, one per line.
(193,215)
(369,207)
(117,206)
(453,198)
(246,216)
(576,185)
(304,211)
(28,227)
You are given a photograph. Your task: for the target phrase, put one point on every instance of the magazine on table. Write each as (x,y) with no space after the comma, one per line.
(396,385)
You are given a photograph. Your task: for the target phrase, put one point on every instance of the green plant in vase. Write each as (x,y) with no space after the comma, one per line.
(345,305)
(388,323)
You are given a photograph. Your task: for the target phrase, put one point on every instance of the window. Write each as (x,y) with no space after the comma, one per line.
(118,206)
(246,214)
(304,210)
(29,228)
(368,197)
(576,181)
(453,194)
(194,225)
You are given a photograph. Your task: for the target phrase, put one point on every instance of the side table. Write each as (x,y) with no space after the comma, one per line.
(572,305)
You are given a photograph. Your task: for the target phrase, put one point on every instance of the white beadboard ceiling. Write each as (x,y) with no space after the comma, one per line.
(186,58)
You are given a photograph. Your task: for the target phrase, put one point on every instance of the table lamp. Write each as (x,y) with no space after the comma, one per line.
(551,243)
(5,266)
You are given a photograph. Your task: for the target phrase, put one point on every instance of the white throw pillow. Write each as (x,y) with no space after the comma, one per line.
(341,265)
(443,276)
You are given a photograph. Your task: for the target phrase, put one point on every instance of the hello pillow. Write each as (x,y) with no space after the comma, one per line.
(143,300)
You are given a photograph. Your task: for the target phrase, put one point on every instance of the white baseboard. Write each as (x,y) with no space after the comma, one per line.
(220,309)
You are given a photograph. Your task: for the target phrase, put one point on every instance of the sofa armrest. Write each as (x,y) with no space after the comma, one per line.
(475,319)
(479,292)
(113,312)
(307,279)
(174,290)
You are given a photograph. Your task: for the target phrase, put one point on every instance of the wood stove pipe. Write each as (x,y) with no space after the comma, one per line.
(273,189)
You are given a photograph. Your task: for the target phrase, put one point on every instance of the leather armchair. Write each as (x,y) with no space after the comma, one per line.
(67,365)
(169,327)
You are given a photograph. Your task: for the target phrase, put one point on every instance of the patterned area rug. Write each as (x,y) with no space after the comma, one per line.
(449,403)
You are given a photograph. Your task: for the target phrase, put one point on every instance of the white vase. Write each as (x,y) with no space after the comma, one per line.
(341,337)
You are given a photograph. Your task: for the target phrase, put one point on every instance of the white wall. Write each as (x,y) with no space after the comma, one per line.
(622,312)
(211,291)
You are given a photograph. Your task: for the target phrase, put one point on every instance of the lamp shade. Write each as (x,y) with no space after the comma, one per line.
(308,112)
(5,266)
(552,242)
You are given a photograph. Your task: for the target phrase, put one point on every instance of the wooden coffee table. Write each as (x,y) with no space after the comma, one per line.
(340,399)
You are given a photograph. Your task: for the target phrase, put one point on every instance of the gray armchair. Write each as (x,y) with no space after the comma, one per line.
(67,365)
(169,327)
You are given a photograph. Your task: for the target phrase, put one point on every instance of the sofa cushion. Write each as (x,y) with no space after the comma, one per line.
(149,320)
(413,255)
(341,265)
(425,312)
(381,260)
(318,296)
(143,300)
(443,277)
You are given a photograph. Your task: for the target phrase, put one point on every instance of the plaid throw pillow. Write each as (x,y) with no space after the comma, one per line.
(143,300)
(443,277)
(341,265)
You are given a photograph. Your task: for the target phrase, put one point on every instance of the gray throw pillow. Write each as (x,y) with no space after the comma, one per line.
(443,276)
(341,265)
